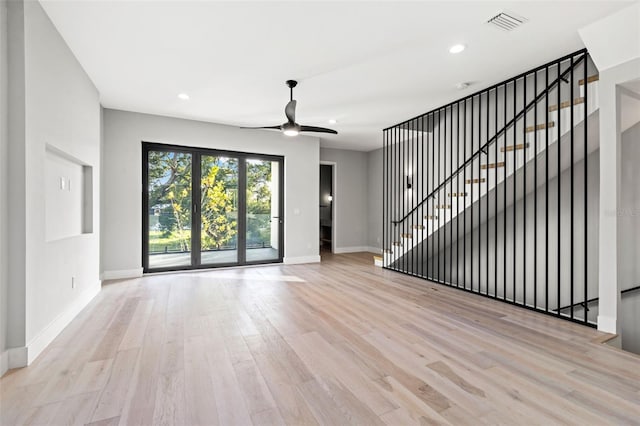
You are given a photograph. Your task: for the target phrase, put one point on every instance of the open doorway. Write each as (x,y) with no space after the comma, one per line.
(327,207)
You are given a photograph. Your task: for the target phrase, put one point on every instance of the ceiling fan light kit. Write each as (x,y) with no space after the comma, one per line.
(291,128)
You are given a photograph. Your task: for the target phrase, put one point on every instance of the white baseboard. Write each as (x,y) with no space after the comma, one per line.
(301,259)
(121,274)
(357,249)
(21,357)
(17,357)
(607,324)
(4,362)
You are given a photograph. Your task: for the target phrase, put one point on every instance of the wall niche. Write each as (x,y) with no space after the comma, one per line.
(69,195)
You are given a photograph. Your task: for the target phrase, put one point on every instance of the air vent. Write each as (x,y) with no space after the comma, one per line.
(507,21)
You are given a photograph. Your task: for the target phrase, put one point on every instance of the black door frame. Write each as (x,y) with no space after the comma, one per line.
(196,153)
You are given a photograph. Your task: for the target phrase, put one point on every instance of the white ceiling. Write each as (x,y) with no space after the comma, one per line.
(367,64)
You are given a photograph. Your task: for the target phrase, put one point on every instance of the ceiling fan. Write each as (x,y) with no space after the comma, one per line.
(291,128)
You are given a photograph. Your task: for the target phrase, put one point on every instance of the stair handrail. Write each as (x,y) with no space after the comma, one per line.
(483,148)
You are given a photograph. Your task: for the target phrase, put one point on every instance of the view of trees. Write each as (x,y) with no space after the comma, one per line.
(170,201)
(219,186)
(258,203)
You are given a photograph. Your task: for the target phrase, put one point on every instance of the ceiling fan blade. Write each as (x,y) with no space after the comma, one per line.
(317,129)
(290,111)
(264,127)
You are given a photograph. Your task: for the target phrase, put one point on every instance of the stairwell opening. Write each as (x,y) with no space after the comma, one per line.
(501,201)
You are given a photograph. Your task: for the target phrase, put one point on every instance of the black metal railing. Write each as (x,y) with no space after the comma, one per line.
(490,193)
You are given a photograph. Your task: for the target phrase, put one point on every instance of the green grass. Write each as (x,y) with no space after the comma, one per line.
(158,242)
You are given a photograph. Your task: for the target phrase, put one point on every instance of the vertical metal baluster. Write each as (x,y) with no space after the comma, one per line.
(464,199)
(495,197)
(515,185)
(479,194)
(524,193)
(420,216)
(546,191)
(451,189)
(397,210)
(430,217)
(414,195)
(571,221)
(559,216)
(504,206)
(535,193)
(464,180)
(444,196)
(487,157)
(385,171)
(586,176)
(440,171)
(472,189)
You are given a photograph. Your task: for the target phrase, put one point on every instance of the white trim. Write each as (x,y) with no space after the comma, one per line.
(357,249)
(121,274)
(50,332)
(607,324)
(4,362)
(301,259)
(17,357)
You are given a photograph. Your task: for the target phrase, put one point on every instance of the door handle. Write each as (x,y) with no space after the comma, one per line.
(280,220)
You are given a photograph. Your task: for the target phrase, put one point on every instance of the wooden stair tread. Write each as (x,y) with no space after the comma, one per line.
(566,104)
(444,206)
(514,147)
(432,217)
(397,243)
(376,257)
(406,235)
(418,226)
(389,251)
(481,180)
(457,194)
(540,126)
(492,165)
(590,79)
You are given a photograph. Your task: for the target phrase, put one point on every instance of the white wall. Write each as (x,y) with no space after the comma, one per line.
(3,184)
(374,198)
(350,199)
(53,102)
(629,212)
(629,221)
(122,158)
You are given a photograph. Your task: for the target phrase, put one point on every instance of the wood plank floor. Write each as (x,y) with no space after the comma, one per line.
(341,342)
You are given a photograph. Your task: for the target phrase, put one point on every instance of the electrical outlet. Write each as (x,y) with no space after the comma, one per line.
(73,282)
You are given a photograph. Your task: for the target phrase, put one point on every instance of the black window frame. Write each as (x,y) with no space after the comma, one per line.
(197,153)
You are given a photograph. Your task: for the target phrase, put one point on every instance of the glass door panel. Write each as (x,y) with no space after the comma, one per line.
(263,210)
(169,209)
(218,210)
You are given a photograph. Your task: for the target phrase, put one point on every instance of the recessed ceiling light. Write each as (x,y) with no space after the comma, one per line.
(333,121)
(457,48)
(183,96)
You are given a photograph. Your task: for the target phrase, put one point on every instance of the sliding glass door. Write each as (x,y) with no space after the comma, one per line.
(207,208)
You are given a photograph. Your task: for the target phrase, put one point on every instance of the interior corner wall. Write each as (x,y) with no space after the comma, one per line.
(16,192)
(350,198)
(124,133)
(375,192)
(4,164)
(53,104)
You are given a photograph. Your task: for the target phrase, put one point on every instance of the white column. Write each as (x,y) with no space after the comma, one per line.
(610,184)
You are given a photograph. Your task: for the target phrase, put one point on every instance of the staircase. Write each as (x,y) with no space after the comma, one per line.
(495,167)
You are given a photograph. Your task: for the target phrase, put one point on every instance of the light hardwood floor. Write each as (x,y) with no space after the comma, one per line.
(341,342)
